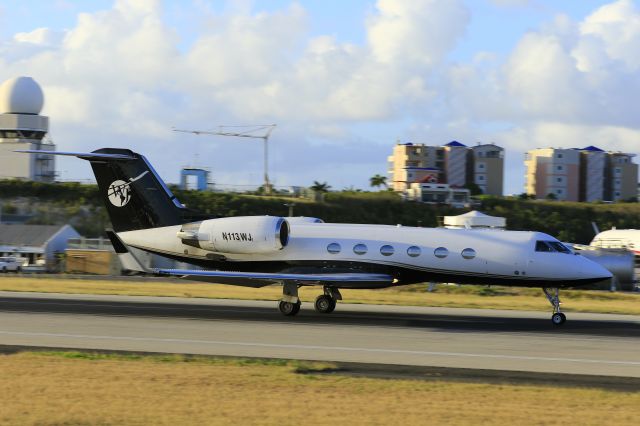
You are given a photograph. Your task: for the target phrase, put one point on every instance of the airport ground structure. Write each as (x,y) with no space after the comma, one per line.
(22,127)
(453,164)
(581,174)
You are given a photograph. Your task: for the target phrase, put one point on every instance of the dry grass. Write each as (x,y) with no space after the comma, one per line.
(416,295)
(45,389)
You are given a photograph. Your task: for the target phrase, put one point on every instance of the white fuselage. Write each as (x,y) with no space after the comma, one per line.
(503,255)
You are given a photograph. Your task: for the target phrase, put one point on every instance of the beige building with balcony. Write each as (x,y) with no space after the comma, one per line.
(453,164)
(587,174)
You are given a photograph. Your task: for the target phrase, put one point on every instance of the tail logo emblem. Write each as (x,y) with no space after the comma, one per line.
(119,191)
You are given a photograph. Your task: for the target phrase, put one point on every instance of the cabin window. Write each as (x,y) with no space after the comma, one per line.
(441,252)
(414,251)
(468,253)
(386,250)
(334,248)
(360,249)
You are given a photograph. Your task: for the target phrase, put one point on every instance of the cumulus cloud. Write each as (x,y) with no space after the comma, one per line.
(122,77)
(120,74)
(566,75)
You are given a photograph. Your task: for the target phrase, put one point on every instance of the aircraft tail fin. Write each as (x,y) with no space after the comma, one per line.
(133,193)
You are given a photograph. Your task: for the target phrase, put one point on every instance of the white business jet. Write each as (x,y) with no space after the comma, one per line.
(257,251)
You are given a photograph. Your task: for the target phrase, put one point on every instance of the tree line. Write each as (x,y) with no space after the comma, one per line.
(81,206)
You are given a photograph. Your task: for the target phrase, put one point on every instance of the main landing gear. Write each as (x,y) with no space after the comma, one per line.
(326,303)
(553,295)
(289,305)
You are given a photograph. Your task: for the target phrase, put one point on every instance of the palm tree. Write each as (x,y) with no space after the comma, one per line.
(321,187)
(378,181)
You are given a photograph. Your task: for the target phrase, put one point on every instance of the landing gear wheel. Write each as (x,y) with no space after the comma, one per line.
(325,304)
(289,309)
(558,318)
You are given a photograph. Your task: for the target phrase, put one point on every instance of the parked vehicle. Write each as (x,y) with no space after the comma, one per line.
(8,263)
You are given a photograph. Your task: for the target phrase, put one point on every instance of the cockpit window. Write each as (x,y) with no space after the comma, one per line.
(543,247)
(552,247)
(559,247)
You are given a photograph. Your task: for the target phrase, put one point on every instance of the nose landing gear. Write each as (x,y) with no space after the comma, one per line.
(553,295)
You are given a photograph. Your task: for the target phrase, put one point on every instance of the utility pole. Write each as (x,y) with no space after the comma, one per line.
(291,206)
(261,131)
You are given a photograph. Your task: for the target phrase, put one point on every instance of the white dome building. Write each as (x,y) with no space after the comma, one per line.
(21,95)
(21,128)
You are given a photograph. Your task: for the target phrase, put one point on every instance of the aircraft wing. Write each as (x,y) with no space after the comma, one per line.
(260,279)
(248,279)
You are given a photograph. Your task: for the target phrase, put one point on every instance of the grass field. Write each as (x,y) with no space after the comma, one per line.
(415,295)
(76,388)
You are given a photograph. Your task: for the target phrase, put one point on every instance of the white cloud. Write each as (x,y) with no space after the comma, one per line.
(123,77)
(511,3)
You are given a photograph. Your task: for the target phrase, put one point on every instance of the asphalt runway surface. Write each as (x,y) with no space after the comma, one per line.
(470,339)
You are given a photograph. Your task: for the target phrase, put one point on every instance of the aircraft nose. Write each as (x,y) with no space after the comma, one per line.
(592,270)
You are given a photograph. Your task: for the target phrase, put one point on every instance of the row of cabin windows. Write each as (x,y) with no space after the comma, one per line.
(413,251)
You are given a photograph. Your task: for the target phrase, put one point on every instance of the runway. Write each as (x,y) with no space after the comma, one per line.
(588,344)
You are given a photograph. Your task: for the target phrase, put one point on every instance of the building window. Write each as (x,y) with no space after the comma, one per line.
(559,168)
(559,155)
(559,180)
(334,248)
(386,250)
(480,177)
(559,191)
(481,166)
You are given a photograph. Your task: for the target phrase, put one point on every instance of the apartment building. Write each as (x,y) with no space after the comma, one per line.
(580,174)
(454,164)
(488,168)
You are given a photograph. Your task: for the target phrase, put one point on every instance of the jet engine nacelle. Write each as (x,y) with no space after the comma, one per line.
(239,235)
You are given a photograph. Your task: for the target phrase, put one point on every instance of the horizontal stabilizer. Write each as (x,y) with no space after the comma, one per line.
(83,155)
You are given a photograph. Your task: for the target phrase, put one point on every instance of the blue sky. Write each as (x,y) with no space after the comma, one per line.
(343,80)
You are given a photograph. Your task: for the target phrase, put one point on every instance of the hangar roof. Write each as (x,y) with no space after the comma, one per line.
(27,235)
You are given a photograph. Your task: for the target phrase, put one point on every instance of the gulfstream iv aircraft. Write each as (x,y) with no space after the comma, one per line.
(257,251)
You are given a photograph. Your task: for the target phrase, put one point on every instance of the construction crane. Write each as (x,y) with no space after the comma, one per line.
(260,131)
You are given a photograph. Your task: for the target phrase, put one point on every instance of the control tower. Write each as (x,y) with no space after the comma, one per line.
(21,128)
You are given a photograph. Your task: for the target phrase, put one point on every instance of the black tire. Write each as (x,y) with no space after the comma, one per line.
(4,269)
(325,304)
(18,269)
(334,302)
(296,308)
(558,318)
(288,309)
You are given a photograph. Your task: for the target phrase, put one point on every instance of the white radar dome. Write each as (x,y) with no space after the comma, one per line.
(21,95)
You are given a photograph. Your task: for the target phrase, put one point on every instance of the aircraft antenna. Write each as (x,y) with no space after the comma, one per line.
(260,131)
